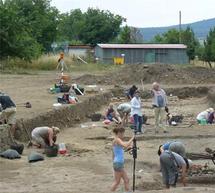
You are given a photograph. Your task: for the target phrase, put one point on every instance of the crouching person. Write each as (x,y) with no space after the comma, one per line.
(171,163)
(44,136)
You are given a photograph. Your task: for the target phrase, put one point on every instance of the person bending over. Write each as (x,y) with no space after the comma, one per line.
(44,136)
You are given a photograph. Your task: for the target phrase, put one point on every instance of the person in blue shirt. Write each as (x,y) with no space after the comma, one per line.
(174,146)
(118,158)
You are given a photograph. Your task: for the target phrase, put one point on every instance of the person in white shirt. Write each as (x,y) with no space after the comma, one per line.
(136,112)
(204,115)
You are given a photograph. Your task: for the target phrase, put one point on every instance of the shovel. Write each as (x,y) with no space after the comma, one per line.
(26,105)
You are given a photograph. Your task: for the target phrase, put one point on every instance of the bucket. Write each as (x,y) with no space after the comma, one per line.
(51,151)
(203,122)
(62,148)
(96,117)
(18,147)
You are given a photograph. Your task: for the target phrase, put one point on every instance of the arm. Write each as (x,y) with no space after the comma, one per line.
(183,174)
(135,104)
(124,144)
(50,136)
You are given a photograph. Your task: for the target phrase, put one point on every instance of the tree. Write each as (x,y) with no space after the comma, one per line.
(28,27)
(125,35)
(100,26)
(187,38)
(209,53)
(70,25)
(15,39)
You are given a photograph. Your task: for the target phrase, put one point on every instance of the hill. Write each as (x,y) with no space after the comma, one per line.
(200,28)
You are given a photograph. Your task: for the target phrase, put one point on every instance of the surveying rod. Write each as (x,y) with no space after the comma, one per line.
(134,153)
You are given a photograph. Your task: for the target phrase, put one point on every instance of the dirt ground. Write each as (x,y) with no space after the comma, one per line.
(88,167)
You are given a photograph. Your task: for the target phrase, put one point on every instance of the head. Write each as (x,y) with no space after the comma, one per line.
(56,130)
(155,86)
(134,87)
(137,94)
(210,110)
(119,131)
(111,106)
(160,150)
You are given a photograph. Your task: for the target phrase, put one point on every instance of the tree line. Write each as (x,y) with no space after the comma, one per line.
(29,27)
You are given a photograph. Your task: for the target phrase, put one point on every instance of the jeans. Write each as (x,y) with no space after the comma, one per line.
(138,122)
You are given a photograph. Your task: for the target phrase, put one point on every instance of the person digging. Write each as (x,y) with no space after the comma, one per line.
(43,137)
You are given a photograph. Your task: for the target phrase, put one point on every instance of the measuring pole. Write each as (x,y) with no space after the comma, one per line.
(134,153)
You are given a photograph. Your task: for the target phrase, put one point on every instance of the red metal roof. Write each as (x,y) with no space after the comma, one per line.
(143,46)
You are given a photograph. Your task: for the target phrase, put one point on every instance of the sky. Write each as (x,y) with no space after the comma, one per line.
(147,13)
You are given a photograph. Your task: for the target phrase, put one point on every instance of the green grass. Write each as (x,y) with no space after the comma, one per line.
(48,63)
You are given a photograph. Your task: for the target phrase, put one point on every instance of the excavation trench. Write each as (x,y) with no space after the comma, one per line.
(68,116)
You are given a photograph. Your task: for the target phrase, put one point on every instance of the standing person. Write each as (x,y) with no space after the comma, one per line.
(131,91)
(159,103)
(8,112)
(171,163)
(124,110)
(118,158)
(44,136)
(136,112)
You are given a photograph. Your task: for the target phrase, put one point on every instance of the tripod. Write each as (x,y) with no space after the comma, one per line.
(134,153)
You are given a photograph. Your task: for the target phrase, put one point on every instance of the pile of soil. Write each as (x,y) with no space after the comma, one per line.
(130,74)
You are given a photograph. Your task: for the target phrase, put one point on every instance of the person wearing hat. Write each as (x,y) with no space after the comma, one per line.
(8,112)
(159,103)
(44,136)
(171,163)
(204,115)
(136,112)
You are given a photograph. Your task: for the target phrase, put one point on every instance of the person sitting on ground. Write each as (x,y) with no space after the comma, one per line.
(124,110)
(171,163)
(118,158)
(211,118)
(111,115)
(175,146)
(204,115)
(159,103)
(8,112)
(131,91)
(136,112)
(44,136)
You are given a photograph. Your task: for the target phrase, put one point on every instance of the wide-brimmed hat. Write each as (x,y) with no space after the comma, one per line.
(210,110)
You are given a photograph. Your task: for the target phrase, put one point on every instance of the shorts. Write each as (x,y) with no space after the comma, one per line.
(10,115)
(39,140)
(110,117)
(117,166)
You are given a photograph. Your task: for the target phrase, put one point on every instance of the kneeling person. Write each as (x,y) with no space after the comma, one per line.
(44,136)
(124,110)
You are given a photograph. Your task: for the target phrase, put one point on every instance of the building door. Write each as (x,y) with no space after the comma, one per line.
(149,57)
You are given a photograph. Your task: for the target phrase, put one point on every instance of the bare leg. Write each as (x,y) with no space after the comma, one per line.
(117,178)
(126,181)
(13,130)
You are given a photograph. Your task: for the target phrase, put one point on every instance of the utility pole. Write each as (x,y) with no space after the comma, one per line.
(179,27)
